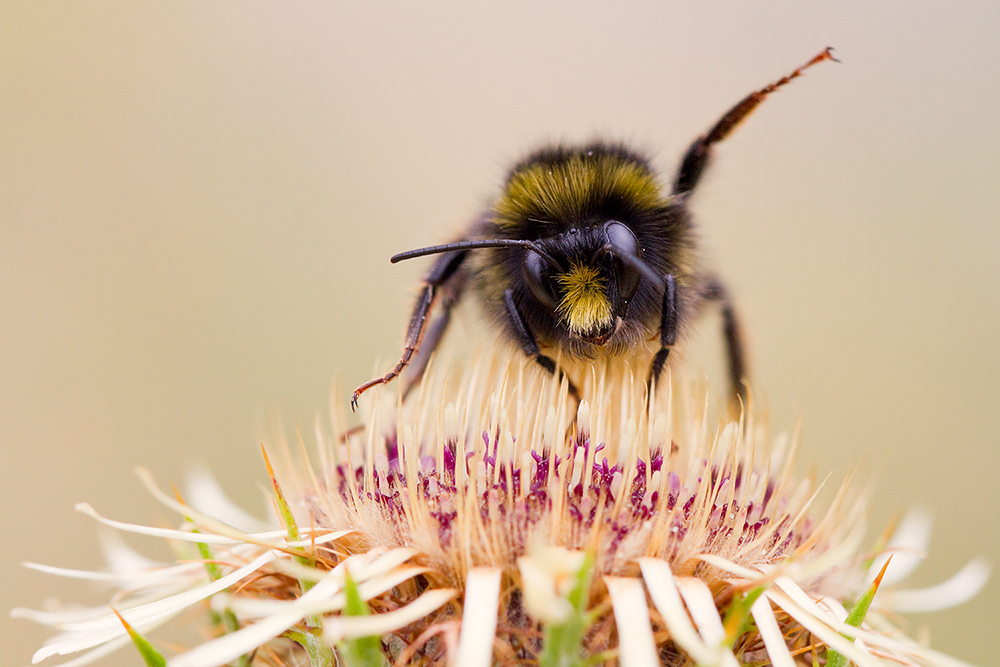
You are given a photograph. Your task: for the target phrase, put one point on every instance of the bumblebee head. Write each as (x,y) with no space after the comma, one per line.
(578,204)
(586,277)
(572,215)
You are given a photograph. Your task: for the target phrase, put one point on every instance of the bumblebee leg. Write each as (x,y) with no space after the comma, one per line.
(698,155)
(430,342)
(446,267)
(668,328)
(716,291)
(528,343)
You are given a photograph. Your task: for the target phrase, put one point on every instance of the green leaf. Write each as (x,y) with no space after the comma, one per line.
(150,655)
(291,528)
(738,620)
(857,616)
(362,651)
(226,619)
(205,552)
(563,641)
(320,653)
(283,509)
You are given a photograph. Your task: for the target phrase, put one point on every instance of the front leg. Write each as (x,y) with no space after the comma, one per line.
(528,343)
(668,328)
(444,270)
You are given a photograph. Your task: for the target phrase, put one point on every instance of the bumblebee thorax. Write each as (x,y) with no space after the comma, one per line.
(573,187)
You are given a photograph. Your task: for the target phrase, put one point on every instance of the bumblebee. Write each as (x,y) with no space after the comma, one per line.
(583,251)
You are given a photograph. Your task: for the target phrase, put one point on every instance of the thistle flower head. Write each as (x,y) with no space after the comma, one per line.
(492,519)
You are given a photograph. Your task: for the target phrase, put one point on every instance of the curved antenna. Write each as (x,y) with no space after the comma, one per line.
(634,262)
(474,245)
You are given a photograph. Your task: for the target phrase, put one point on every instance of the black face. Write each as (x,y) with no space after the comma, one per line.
(586,277)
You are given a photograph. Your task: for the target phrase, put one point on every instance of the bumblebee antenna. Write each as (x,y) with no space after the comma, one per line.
(634,262)
(473,245)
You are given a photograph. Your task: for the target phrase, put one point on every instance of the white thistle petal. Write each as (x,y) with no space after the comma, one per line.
(701,604)
(170,533)
(928,656)
(795,592)
(377,562)
(166,533)
(338,628)
(479,618)
(826,616)
(138,616)
(206,495)
(371,563)
(636,647)
(961,587)
(907,547)
(167,573)
(80,635)
(120,557)
(253,609)
(833,606)
(386,582)
(89,657)
(204,521)
(74,642)
(777,649)
(662,587)
(810,618)
(58,618)
(729,566)
(270,539)
(233,645)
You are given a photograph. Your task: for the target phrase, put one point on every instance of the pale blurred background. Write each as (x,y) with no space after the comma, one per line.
(198,202)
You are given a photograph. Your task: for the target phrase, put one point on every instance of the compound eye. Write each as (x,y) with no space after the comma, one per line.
(536,273)
(623,242)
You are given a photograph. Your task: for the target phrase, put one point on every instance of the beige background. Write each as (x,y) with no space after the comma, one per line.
(198,201)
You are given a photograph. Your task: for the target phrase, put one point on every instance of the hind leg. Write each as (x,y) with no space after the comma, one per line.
(733,335)
(700,151)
